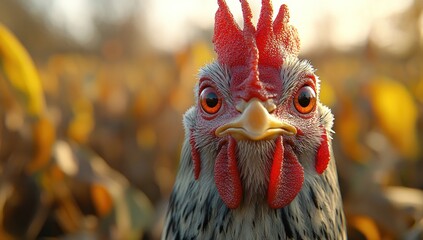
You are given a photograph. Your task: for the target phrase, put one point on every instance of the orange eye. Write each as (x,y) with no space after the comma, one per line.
(305,100)
(210,100)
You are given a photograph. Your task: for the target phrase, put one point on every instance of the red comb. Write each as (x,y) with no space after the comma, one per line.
(245,51)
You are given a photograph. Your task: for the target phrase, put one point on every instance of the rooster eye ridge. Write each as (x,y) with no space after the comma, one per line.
(305,99)
(210,100)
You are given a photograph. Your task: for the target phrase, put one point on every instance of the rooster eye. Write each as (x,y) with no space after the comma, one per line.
(210,100)
(305,100)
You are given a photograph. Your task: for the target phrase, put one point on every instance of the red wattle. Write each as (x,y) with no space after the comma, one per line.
(226,175)
(286,176)
(195,156)
(323,155)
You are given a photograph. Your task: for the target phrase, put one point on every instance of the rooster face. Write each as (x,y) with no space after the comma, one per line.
(258,110)
(266,140)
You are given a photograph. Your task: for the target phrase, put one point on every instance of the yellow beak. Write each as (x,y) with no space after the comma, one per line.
(256,123)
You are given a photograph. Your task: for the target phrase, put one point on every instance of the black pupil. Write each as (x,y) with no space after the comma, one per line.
(211,99)
(304,98)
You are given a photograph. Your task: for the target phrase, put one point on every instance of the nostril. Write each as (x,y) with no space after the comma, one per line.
(240,107)
(270,106)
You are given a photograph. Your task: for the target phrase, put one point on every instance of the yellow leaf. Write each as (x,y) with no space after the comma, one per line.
(396,113)
(82,123)
(44,135)
(103,202)
(201,54)
(20,72)
(366,226)
(348,130)
(327,95)
(418,91)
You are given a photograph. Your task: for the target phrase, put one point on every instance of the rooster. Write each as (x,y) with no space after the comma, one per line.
(257,161)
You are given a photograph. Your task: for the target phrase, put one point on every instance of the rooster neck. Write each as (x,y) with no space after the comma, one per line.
(196,210)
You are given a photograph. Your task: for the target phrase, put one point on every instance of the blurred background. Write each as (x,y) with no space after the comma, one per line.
(91,127)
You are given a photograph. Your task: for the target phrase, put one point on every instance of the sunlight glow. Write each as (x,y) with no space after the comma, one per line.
(343,24)
(170,25)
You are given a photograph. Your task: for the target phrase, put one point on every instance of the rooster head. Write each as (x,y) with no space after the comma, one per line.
(259,129)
